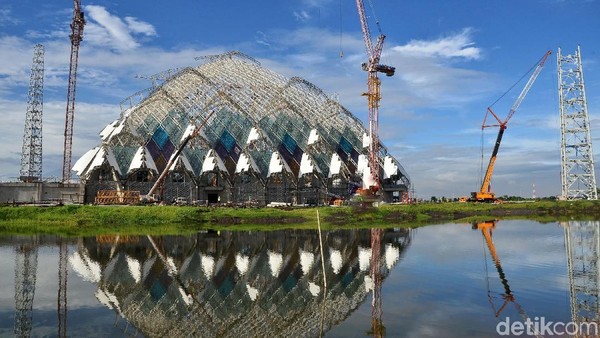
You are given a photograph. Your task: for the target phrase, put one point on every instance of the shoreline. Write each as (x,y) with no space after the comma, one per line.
(83,220)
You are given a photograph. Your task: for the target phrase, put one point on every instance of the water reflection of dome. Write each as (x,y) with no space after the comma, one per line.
(235,284)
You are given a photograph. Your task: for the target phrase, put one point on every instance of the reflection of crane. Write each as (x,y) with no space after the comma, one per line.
(377,328)
(508,296)
(484,194)
(373,94)
(25,275)
(76,37)
(582,244)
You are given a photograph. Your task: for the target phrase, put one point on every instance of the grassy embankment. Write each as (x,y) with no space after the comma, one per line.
(83,220)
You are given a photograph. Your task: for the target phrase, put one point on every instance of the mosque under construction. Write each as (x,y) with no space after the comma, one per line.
(264,139)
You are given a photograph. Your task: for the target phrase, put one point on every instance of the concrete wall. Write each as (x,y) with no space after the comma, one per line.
(20,192)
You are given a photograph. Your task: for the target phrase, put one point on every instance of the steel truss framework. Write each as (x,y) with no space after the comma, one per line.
(260,117)
(578,178)
(26,261)
(31,157)
(582,243)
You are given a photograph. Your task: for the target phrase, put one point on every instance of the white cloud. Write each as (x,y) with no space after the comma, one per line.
(302,16)
(316,3)
(110,30)
(140,27)
(6,17)
(459,45)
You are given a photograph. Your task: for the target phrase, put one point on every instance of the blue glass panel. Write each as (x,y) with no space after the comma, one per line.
(221,151)
(160,137)
(346,145)
(342,154)
(298,154)
(285,154)
(354,155)
(153,149)
(289,143)
(168,149)
(227,140)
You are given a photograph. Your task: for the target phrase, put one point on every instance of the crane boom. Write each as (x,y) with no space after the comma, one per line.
(484,194)
(365,29)
(175,156)
(76,37)
(528,85)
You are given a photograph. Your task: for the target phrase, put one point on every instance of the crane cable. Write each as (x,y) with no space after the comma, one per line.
(498,99)
(520,79)
(375,16)
(341,34)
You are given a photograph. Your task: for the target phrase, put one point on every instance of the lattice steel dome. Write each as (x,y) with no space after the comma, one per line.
(269,139)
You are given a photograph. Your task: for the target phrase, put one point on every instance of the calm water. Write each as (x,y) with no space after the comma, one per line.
(436,281)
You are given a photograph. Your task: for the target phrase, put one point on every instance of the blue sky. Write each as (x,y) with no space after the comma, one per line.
(453,59)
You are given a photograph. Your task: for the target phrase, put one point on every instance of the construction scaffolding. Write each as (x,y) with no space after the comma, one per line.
(269,138)
(31,157)
(578,178)
(26,262)
(582,244)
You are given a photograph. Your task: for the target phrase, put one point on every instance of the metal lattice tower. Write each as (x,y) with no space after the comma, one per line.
(578,179)
(582,243)
(31,157)
(26,258)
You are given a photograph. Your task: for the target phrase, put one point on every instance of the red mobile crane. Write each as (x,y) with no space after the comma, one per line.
(373,94)
(76,37)
(484,194)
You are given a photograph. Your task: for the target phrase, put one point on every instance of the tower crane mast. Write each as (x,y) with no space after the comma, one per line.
(76,37)
(373,94)
(484,194)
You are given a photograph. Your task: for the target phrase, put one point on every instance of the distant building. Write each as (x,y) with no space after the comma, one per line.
(269,140)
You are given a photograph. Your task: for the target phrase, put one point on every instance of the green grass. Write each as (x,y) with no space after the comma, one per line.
(85,220)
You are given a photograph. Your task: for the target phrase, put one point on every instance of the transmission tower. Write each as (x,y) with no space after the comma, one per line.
(25,275)
(31,157)
(582,243)
(578,178)
(76,37)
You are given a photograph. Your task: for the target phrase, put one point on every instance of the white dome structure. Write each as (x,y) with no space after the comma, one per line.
(269,139)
